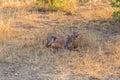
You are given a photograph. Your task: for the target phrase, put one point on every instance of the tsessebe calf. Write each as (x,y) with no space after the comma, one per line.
(63,41)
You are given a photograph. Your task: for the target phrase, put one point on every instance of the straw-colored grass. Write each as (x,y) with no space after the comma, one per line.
(6,32)
(24,56)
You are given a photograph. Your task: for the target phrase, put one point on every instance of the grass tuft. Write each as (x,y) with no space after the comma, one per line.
(6,32)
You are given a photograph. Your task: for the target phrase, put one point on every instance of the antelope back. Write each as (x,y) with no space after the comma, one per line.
(59,42)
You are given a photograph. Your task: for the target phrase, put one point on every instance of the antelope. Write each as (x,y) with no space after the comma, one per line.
(69,42)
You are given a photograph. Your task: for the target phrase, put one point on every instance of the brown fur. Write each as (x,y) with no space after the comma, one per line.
(74,43)
(64,41)
(50,40)
(59,42)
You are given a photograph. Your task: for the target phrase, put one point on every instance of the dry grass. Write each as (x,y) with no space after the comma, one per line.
(98,12)
(6,31)
(15,3)
(25,57)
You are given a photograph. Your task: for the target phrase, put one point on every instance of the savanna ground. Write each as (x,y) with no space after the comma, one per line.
(24,57)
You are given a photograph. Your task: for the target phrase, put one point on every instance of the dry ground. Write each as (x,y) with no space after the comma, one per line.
(24,57)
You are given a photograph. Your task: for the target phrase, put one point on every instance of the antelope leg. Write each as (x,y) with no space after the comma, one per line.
(50,40)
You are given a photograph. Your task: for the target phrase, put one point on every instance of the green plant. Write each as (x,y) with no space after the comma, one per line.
(116,4)
(63,5)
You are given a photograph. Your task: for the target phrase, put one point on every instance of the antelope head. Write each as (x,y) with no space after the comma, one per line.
(74,42)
